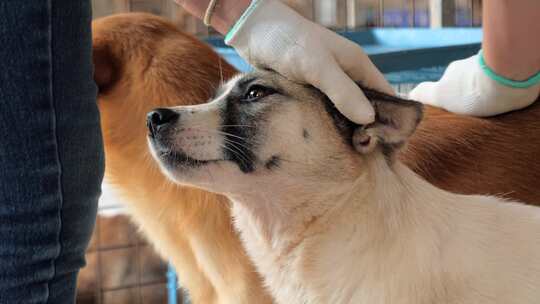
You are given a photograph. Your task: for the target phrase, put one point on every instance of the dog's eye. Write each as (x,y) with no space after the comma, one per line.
(257,92)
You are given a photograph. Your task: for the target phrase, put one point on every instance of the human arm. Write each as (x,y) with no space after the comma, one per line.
(505,76)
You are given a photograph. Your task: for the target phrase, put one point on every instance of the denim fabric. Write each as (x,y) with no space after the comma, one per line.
(51,151)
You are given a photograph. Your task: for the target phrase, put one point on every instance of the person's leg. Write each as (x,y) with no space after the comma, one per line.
(51,154)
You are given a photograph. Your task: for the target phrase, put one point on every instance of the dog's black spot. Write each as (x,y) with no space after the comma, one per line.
(239,131)
(306,134)
(273,162)
(240,125)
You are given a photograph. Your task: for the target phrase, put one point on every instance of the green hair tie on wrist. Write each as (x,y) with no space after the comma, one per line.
(240,21)
(534,80)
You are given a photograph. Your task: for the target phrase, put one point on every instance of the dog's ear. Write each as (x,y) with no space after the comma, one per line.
(107,64)
(395,121)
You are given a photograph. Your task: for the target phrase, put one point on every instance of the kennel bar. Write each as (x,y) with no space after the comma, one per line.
(437,32)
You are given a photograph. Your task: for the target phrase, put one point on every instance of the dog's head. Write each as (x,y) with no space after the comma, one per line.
(262,130)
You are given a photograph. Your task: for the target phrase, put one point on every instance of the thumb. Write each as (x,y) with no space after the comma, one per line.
(345,94)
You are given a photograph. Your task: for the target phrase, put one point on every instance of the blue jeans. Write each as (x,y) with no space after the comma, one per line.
(51,151)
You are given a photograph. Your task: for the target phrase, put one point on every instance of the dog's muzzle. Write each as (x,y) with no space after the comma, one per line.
(159,118)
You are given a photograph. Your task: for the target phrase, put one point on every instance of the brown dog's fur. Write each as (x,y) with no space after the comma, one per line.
(143,62)
(470,155)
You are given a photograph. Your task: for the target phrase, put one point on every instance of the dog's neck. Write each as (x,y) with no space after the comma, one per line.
(383,190)
(379,205)
(282,214)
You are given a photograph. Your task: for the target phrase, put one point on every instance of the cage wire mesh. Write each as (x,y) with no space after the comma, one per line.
(121,266)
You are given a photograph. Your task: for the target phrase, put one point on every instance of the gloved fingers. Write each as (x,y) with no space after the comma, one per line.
(356,63)
(425,93)
(344,93)
(452,92)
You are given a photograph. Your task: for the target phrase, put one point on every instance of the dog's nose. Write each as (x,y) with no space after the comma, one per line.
(160,117)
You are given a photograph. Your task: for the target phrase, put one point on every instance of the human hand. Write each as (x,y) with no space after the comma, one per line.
(465,88)
(271,35)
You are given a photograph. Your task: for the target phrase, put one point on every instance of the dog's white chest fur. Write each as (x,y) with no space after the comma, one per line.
(412,243)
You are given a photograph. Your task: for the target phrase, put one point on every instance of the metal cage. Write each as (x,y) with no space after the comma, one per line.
(336,14)
(121,267)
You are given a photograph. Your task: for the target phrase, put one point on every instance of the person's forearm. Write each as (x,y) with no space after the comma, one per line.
(225,14)
(511,43)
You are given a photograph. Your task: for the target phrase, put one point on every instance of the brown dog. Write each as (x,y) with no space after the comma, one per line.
(143,62)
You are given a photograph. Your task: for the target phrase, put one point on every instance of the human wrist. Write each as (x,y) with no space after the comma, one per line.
(531,80)
(508,47)
(260,17)
(507,65)
(228,13)
(225,14)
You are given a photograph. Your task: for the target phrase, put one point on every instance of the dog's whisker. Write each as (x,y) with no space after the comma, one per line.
(220,71)
(218,132)
(243,157)
(194,126)
(241,145)
(234,147)
(249,126)
(238,147)
(229,134)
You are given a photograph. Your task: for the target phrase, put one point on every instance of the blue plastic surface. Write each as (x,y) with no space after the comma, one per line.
(406,55)
(172,285)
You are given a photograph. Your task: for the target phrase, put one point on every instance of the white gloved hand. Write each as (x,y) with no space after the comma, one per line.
(465,88)
(271,35)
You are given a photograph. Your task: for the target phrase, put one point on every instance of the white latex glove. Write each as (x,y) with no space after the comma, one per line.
(271,35)
(465,88)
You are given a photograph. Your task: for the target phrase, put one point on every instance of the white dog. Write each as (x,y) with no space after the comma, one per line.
(324,223)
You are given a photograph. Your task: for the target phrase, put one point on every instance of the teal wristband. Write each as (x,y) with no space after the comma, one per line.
(240,21)
(534,80)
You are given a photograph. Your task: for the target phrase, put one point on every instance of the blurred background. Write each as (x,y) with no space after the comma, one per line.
(336,14)
(122,267)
